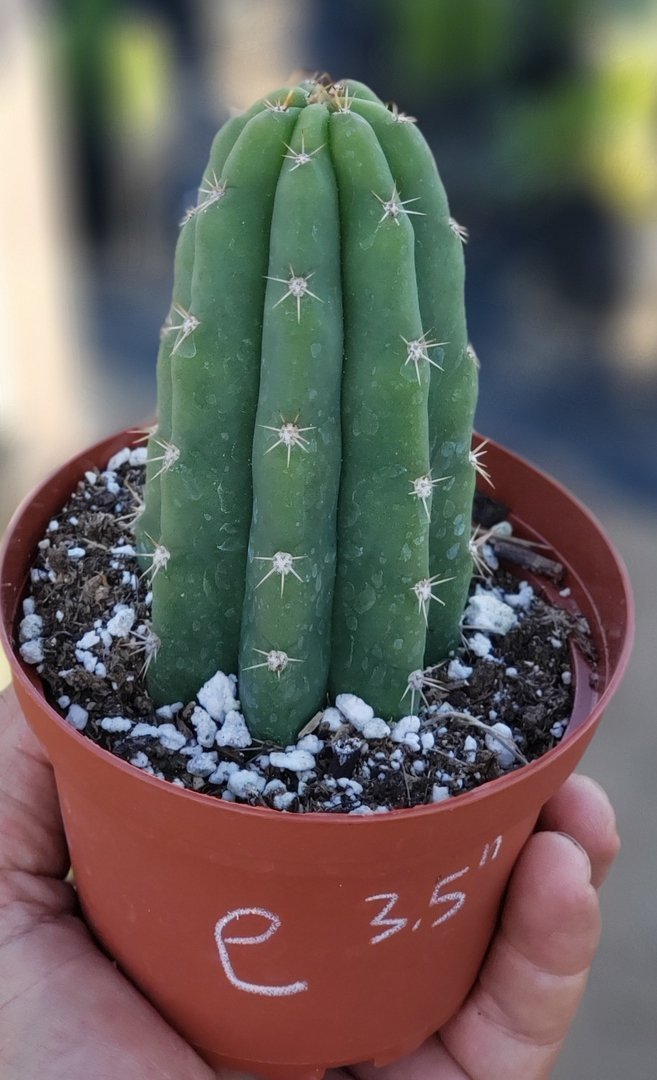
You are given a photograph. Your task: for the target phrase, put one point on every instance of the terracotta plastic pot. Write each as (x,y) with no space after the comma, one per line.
(284,944)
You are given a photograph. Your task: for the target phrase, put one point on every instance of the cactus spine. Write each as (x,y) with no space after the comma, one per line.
(309,484)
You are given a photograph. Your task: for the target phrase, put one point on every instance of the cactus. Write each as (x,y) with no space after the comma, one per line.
(309,484)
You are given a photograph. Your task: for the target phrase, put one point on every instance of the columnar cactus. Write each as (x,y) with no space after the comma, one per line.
(309,485)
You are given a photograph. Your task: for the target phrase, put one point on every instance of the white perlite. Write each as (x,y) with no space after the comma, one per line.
(292,760)
(32,651)
(333,719)
(480,645)
(202,764)
(505,756)
(310,743)
(205,727)
(115,723)
(77,717)
(486,612)
(470,746)
(217,696)
(356,711)
(458,670)
(31,627)
(170,738)
(402,728)
(122,621)
(245,784)
(523,598)
(234,732)
(119,459)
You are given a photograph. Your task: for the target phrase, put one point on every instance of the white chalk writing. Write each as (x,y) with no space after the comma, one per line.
(222,942)
(394,925)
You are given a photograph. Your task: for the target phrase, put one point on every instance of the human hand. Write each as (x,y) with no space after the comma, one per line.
(66,1013)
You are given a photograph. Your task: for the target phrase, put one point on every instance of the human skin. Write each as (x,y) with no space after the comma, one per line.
(66,1012)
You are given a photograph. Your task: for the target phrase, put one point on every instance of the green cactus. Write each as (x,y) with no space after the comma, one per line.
(309,485)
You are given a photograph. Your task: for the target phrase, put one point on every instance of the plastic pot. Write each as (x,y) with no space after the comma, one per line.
(284,944)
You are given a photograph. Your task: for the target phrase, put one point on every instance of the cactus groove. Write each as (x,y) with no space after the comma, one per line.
(309,483)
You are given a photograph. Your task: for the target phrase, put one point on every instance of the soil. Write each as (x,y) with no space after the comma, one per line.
(86,571)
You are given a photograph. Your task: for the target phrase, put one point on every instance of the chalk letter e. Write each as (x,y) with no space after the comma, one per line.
(223,942)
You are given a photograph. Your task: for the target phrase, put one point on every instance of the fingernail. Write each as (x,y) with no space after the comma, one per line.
(586,862)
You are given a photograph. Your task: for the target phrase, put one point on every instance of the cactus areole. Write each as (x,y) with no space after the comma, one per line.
(309,485)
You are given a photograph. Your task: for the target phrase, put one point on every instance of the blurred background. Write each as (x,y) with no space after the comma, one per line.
(543,118)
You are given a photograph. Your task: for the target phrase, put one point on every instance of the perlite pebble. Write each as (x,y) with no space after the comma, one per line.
(457,670)
(486,612)
(354,709)
(32,651)
(122,621)
(167,712)
(332,719)
(439,793)
(245,783)
(292,760)
(142,731)
(77,717)
(87,659)
(170,738)
(118,459)
(234,732)
(31,627)
(470,746)
(138,456)
(505,756)
(217,696)
(76,553)
(205,727)
(310,743)
(115,723)
(202,764)
(284,800)
(407,724)
(222,772)
(523,598)
(376,728)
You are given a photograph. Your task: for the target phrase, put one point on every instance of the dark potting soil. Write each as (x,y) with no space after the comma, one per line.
(86,629)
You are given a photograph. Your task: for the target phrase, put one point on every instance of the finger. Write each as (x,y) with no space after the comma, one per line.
(431,1061)
(32,836)
(582,809)
(515,1020)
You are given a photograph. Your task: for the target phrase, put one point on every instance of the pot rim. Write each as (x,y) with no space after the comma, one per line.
(31,684)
